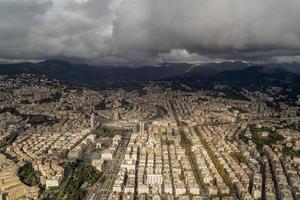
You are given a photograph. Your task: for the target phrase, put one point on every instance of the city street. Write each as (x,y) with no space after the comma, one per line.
(103,187)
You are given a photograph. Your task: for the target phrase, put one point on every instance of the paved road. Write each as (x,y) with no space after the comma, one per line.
(101,189)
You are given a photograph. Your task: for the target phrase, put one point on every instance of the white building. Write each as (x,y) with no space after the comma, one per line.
(116,139)
(53,181)
(107,154)
(154,179)
(97,163)
(179,189)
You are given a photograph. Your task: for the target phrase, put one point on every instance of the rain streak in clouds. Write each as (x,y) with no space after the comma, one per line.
(143,31)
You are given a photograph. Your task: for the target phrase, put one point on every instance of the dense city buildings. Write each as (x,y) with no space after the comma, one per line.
(61,141)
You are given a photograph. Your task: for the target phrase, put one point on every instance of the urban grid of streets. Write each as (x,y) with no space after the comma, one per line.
(156,144)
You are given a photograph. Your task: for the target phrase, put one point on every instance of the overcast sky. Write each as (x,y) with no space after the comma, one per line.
(143,31)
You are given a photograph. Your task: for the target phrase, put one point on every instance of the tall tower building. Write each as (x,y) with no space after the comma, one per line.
(93,121)
(142,127)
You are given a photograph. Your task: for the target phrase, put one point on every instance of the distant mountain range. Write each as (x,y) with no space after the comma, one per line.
(251,76)
(232,73)
(86,74)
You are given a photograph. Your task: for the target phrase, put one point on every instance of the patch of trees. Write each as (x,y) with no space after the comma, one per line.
(28,175)
(290,152)
(100,106)
(105,132)
(11,110)
(80,176)
(260,141)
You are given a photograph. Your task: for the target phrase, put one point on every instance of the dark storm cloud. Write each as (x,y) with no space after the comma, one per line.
(16,20)
(150,30)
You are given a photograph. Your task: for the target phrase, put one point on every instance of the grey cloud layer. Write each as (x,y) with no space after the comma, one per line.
(150,30)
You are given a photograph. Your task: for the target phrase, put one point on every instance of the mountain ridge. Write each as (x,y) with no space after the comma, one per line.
(227,72)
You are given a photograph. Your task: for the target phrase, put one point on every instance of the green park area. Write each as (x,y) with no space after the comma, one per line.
(100,106)
(239,157)
(28,175)
(260,141)
(38,119)
(103,132)
(80,176)
(290,152)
